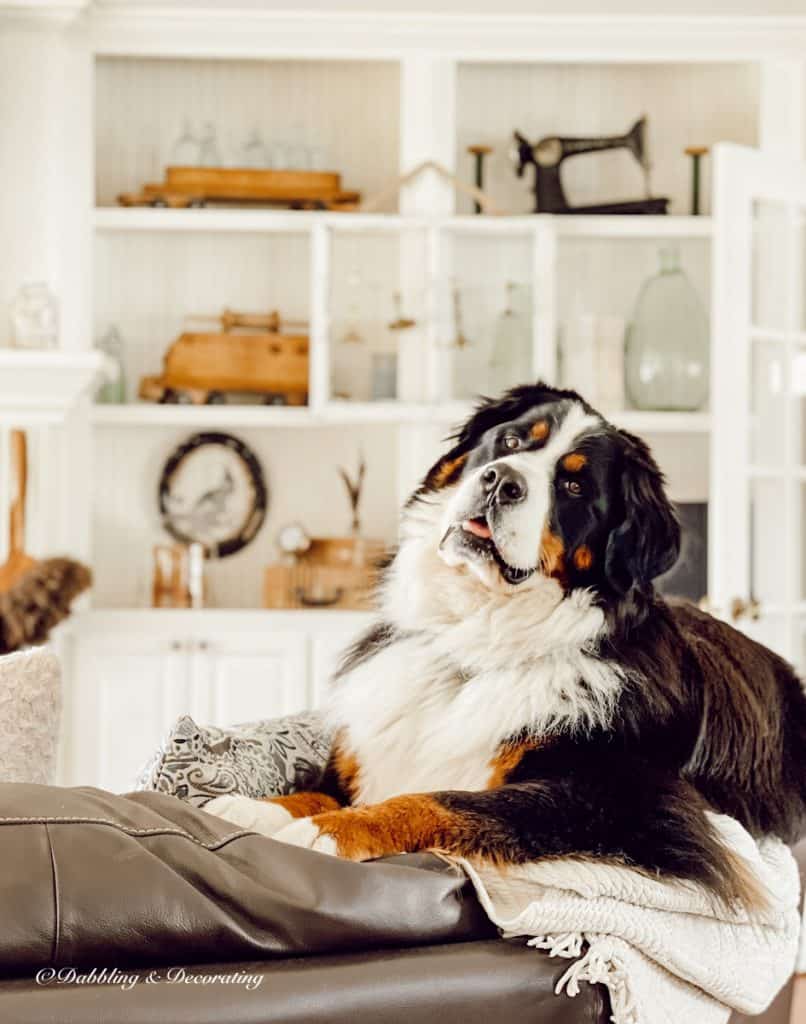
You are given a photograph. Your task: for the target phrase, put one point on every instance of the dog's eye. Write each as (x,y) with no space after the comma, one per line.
(512,441)
(573,487)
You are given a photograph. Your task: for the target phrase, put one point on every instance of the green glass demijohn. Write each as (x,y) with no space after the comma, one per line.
(667,344)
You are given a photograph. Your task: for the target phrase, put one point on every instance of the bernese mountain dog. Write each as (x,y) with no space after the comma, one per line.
(526,693)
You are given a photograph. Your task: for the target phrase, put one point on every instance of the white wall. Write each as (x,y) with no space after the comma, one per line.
(43,170)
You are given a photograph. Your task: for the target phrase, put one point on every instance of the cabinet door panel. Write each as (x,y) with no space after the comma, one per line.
(123,702)
(251,678)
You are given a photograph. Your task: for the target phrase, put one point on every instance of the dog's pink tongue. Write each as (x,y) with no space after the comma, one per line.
(478,527)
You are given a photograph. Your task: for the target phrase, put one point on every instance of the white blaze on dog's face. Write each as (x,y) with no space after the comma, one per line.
(498,520)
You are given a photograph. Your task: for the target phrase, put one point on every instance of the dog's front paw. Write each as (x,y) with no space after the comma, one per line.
(255,815)
(306,833)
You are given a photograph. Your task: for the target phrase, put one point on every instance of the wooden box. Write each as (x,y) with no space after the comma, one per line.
(335,572)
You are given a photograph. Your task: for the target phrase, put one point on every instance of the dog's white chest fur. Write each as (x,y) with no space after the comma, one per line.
(416,722)
(412,726)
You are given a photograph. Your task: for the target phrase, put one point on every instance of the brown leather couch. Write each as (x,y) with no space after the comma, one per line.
(154,911)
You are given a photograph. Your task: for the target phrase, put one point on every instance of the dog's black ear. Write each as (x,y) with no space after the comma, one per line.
(447,470)
(646,542)
(488,412)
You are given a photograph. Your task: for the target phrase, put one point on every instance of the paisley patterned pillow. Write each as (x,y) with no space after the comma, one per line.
(280,755)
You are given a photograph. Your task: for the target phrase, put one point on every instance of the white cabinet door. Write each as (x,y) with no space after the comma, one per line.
(758,456)
(125,692)
(241,677)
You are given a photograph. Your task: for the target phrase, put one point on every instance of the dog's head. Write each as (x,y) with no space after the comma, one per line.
(541,492)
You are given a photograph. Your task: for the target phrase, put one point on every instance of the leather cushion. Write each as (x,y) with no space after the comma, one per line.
(94,878)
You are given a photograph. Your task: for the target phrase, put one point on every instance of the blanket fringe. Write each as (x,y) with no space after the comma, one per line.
(594,966)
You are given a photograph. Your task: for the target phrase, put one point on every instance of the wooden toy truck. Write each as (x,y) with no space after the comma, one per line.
(202,367)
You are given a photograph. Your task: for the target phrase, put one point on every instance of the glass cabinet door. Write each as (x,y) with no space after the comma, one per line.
(758,469)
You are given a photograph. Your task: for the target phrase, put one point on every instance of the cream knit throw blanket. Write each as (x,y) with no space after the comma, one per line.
(666,952)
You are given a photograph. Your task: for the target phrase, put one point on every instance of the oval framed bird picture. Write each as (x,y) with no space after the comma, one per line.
(212,491)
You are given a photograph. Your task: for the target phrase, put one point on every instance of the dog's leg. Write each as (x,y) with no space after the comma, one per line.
(658,826)
(269,814)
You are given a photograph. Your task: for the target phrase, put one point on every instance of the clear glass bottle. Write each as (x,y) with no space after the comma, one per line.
(667,345)
(35,317)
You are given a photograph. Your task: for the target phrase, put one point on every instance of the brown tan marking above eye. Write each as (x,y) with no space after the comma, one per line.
(448,470)
(540,430)
(574,462)
(583,557)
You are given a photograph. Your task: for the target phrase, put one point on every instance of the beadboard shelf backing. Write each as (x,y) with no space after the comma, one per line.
(347,110)
(687,104)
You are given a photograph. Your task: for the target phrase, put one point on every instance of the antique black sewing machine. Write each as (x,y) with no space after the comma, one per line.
(548,154)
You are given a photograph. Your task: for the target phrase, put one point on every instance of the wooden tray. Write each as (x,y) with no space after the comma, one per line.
(194,186)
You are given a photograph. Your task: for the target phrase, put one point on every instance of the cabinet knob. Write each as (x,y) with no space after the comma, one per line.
(202,645)
(176,645)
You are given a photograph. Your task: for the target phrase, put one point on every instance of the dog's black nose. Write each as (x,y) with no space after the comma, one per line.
(503,485)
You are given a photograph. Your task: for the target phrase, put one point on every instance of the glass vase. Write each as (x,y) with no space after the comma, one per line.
(667,345)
